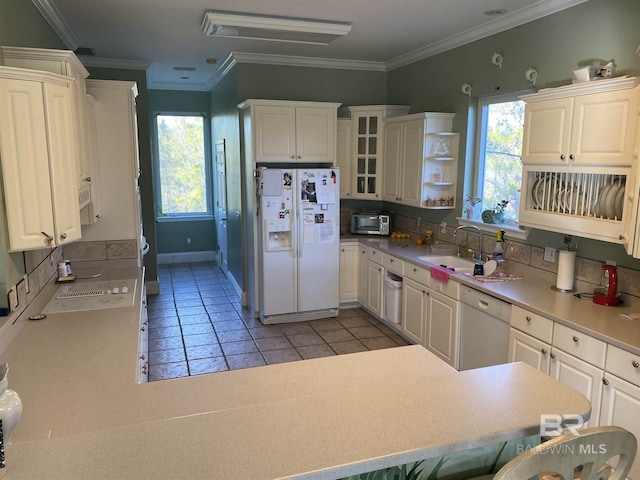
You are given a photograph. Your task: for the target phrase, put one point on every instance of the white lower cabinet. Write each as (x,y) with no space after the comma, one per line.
(621,407)
(375,288)
(528,349)
(348,273)
(143,341)
(581,376)
(443,324)
(414,311)
(363,274)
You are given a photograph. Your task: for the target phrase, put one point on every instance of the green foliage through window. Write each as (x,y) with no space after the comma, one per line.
(501,148)
(182,162)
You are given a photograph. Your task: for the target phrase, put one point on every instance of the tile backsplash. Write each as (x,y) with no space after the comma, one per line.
(587,271)
(101,250)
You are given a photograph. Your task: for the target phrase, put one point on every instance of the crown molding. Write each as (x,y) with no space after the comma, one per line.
(296,61)
(505,22)
(89,61)
(51,14)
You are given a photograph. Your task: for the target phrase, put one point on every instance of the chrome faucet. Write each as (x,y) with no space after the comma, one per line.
(455,232)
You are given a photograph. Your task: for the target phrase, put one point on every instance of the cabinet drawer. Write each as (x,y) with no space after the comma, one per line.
(579,344)
(624,364)
(376,255)
(535,325)
(450,288)
(417,274)
(393,264)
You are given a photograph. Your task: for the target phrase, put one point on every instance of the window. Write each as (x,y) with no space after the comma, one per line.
(183,171)
(500,126)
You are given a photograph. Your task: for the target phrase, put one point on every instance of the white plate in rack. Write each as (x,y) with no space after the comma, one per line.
(619,202)
(609,205)
(601,210)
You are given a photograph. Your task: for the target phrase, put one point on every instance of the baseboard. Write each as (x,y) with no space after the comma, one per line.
(187,257)
(236,286)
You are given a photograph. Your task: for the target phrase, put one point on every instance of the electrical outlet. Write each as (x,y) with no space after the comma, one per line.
(443,227)
(549,254)
(418,222)
(13,299)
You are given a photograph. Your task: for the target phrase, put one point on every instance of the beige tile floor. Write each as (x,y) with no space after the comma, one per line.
(197,325)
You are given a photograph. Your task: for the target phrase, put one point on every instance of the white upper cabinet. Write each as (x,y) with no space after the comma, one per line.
(592,124)
(301,132)
(367,147)
(580,156)
(38,151)
(62,62)
(343,156)
(420,160)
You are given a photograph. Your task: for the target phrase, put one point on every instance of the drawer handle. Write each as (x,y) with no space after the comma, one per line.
(415,270)
(635,364)
(575,339)
(528,319)
(605,381)
(544,351)
(553,355)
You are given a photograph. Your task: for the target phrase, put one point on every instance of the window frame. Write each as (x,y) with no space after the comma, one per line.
(208,170)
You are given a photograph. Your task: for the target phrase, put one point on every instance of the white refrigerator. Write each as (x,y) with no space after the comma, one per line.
(299,237)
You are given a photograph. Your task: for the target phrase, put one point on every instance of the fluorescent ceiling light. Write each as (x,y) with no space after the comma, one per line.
(277,29)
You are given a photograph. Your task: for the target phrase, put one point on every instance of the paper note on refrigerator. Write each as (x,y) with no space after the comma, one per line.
(324,191)
(326,233)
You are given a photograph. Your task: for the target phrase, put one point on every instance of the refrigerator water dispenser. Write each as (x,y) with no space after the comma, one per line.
(278,235)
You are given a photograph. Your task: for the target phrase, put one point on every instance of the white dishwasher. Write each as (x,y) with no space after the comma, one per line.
(484,329)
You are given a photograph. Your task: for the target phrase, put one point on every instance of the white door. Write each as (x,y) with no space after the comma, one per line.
(221,206)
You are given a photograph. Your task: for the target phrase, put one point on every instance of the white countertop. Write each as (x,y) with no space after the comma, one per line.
(534,293)
(85,417)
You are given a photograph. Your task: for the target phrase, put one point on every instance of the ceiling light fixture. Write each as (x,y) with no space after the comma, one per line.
(495,12)
(276,29)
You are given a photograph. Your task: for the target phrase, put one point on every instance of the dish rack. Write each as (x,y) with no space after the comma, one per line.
(579,194)
(589,202)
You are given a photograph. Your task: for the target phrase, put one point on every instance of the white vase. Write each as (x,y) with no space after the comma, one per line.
(10,405)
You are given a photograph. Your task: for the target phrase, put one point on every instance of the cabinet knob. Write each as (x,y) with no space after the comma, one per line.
(293,157)
(299,157)
(391,260)
(552,355)
(572,157)
(635,364)
(620,237)
(88,179)
(605,381)
(342,250)
(528,318)
(415,270)
(562,157)
(575,339)
(543,351)
(98,216)
(63,236)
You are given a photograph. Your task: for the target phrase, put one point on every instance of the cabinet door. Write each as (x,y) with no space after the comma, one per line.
(581,376)
(375,290)
(275,135)
(315,134)
(621,407)
(348,273)
(368,156)
(443,325)
(604,128)
(412,163)
(547,130)
(25,169)
(363,275)
(91,213)
(62,162)
(525,348)
(392,162)
(343,156)
(414,310)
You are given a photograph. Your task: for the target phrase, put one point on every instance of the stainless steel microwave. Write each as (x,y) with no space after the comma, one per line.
(370,223)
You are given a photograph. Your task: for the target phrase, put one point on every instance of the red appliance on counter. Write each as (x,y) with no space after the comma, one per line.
(608,295)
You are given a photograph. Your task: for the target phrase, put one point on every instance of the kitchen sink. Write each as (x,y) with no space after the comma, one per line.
(452,262)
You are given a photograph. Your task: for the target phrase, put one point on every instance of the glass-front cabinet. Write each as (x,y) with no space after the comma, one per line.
(368,136)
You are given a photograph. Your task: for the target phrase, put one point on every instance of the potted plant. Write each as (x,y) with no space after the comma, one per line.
(495,215)
(470,206)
